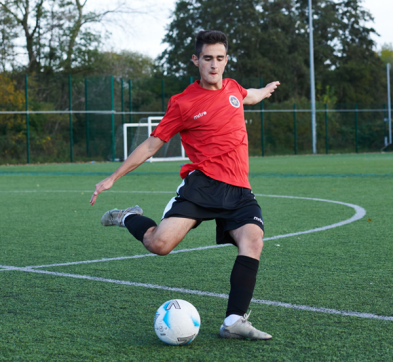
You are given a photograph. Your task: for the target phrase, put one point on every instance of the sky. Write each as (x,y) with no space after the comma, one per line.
(144,32)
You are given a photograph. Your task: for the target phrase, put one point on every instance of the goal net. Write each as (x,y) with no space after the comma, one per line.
(136,133)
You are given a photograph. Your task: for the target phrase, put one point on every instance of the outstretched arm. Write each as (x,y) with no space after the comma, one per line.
(144,151)
(256,95)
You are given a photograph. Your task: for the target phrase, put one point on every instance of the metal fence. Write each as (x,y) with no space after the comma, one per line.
(68,119)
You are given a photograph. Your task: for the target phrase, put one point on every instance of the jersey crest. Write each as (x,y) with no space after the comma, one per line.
(234,101)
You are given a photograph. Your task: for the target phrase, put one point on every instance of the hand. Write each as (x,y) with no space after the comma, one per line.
(101,186)
(269,89)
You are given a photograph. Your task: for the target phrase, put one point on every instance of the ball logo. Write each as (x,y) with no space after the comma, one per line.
(234,101)
(173,303)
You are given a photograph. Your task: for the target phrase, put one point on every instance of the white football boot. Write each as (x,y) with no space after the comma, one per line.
(115,217)
(242,329)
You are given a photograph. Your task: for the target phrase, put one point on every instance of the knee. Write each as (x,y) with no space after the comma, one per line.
(257,244)
(252,247)
(157,245)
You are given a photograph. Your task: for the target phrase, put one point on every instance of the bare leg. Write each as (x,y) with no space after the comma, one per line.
(162,239)
(248,239)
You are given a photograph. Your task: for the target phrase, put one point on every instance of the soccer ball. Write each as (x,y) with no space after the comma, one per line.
(177,322)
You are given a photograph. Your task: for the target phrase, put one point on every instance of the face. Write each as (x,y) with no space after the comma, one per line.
(211,64)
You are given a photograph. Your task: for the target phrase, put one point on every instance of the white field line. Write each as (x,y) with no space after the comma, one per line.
(359,213)
(126,257)
(209,294)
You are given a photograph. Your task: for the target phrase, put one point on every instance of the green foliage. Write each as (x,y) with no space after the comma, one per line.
(269,39)
(386,54)
(12,126)
(124,64)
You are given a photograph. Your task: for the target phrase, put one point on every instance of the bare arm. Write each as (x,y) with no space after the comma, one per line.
(256,95)
(144,151)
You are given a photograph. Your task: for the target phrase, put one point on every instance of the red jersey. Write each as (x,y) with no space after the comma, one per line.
(212,129)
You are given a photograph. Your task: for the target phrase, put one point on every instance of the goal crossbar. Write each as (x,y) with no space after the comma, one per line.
(150,124)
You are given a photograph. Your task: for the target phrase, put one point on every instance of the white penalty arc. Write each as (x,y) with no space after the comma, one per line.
(360,212)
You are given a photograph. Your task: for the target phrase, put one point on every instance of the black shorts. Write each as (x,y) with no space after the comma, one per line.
(200,197)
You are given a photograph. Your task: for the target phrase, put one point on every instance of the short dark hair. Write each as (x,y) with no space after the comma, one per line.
(210,37)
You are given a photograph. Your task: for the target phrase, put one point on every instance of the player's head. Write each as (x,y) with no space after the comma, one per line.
(206,37)
(211,57)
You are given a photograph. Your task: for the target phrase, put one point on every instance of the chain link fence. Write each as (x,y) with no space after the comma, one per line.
(68,119)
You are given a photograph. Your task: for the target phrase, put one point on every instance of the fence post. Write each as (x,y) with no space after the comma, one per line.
(27,121)
(389,102)
(262,123)
(130,98)
(70,109)
(113,119)
(122,101)
(326,130)
(163,95)
(356,128)
(294,129)
(87,120)
(384,126)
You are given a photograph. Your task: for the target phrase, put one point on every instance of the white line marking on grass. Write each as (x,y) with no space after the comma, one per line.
(127,257)
(360,212)
(15,191)
(209,294)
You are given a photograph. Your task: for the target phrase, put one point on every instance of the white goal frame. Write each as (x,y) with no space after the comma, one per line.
(150,126)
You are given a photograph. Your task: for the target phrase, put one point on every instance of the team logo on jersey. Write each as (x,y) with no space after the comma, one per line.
(200,115)
(234,101)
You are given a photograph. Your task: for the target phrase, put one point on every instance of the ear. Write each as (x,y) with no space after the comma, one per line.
(195,60)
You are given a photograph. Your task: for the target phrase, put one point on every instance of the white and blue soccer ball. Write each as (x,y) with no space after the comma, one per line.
(177,322)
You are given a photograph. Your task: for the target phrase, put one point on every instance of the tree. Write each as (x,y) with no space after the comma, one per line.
(7,36)
(386,54)
(12,126)
(359,73)
(125,64)
(58,33)
(21,11)
(270,39)
(191,16)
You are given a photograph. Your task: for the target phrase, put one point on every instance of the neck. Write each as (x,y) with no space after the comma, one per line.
(206,85)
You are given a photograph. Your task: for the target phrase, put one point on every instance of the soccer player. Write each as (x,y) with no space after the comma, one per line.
(209,116)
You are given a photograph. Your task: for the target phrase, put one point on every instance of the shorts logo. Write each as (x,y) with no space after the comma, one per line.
(200,115)
(234,101)
(258,219)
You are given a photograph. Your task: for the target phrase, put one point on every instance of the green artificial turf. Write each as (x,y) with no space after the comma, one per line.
(47,219)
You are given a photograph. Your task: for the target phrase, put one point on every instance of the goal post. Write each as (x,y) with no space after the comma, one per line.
(172,150)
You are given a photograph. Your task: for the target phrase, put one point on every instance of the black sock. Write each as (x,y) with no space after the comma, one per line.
(243,278)
(137,225)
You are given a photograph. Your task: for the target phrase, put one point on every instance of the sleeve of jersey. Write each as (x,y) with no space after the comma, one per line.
(242,90)
(171,124)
